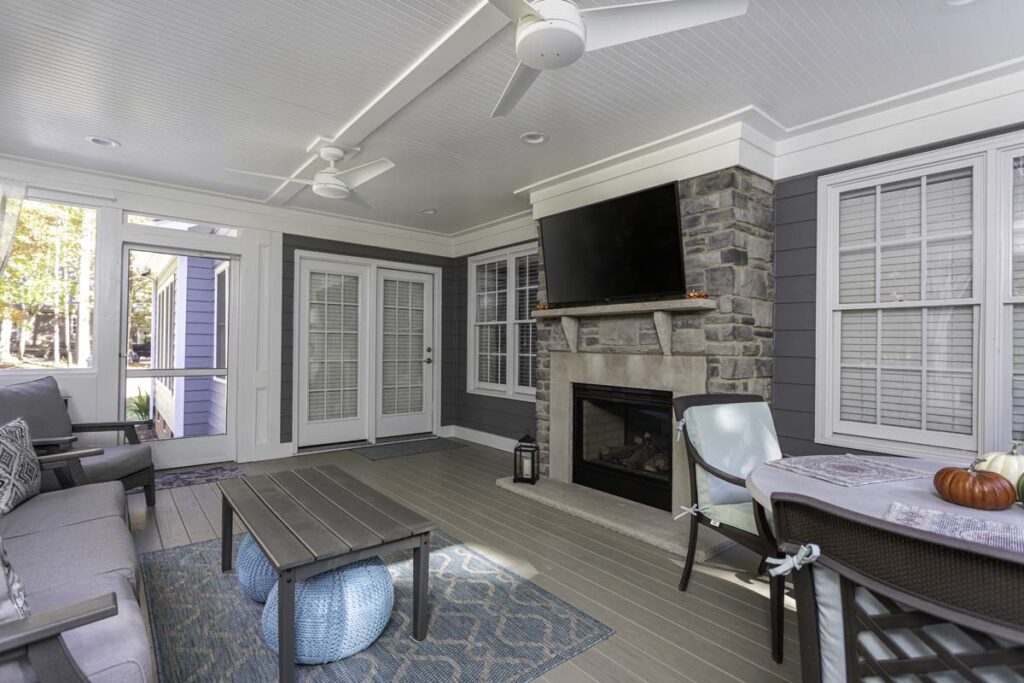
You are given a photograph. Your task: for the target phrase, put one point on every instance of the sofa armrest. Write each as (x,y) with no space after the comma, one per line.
(55,460)
(38,627)
(127,426)
(54,441)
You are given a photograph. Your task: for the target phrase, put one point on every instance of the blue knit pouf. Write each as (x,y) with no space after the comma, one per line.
(337,613)
(255,575)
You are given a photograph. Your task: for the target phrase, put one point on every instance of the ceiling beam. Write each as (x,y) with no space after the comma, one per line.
(460,42)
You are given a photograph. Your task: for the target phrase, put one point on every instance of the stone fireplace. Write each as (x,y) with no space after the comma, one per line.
(722,345)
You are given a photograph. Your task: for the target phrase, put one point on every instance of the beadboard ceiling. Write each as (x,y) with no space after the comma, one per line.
(193,87)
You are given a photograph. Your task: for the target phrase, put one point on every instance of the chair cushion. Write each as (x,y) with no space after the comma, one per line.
(64,508)
(739,515)
(20,475)
(113,649)
(40,404)
(117,462)
(51,558)
(735,438)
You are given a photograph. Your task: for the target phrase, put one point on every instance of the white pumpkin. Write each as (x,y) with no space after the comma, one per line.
(1010,465)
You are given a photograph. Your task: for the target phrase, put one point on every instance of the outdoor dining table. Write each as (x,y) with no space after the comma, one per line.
(872,500)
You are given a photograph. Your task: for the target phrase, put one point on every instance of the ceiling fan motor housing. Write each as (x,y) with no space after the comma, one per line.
(327,184)
(553,42)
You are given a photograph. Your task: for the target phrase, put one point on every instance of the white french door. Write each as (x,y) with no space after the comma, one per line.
(404,356)
(332,353)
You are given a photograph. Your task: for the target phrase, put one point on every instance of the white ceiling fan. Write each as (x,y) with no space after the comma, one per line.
(332,182)
(551,34)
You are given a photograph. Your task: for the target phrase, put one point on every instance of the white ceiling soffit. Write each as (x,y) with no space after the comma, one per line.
(193,87)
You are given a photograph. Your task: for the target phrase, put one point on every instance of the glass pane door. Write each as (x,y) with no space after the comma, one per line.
(405,353)
(177,350)
(331,352)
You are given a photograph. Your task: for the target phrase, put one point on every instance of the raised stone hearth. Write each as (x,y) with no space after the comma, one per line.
(723,345)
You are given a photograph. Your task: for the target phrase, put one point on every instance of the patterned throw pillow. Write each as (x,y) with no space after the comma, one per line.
(19,470)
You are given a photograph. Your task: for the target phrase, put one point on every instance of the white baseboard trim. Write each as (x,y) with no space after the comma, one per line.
(501,443)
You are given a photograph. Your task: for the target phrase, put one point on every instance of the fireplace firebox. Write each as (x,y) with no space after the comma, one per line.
(622,442)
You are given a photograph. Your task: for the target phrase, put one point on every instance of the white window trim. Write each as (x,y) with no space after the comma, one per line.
(509,389)
(221,268)
(991,160)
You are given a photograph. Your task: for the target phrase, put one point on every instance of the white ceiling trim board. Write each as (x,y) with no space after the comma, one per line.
(711,151)
(749,114)
(464,39)
(518,228)
(743,140)
(972,109)
(166,200)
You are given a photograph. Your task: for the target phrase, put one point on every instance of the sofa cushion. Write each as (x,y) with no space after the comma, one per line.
(117,462)
(64,508)
(113,649)
(20,474)
(40,404)
(51,558)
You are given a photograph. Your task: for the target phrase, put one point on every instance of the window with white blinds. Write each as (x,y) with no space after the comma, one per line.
(904,331)
(1016,298)
(503,334)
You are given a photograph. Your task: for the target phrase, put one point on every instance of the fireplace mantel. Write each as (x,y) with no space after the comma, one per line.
(661,310)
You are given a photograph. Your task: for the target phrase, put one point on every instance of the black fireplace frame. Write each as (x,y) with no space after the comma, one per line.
(633,486)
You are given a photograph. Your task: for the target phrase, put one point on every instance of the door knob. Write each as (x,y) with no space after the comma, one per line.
(428,361)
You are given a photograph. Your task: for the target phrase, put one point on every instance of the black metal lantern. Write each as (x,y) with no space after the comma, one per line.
(526,463)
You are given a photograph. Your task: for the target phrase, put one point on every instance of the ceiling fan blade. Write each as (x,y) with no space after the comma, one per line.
(354,177)
(607,26)
(358,200)
(300,181)
(514,9)
(520,82)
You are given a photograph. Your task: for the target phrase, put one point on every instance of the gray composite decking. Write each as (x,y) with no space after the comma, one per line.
(717,631)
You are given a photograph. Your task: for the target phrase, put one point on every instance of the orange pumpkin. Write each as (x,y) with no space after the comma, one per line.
(975,488)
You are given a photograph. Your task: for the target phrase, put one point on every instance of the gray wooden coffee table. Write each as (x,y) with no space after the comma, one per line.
(310,521)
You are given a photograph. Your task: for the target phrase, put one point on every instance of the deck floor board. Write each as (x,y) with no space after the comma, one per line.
(717,631)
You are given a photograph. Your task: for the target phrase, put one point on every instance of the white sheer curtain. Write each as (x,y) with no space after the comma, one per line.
(12,193)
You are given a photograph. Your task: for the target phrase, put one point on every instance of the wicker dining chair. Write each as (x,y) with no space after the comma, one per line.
(727,436)
(883,601)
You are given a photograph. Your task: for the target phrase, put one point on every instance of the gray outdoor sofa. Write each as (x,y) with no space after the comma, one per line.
(74,553)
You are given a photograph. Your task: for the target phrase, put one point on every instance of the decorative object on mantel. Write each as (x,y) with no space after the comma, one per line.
(527,463)
(697,294)
(985,531)
(1010,465)
(847,470)
(975,488)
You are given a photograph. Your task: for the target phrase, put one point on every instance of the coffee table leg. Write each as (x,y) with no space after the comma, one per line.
(420,588)
(226,527)
(286,627)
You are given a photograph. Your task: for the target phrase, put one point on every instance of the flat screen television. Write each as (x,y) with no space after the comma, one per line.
(628,248)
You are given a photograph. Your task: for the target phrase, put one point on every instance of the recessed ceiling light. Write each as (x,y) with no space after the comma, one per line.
(534,138)
(102,142)
(428,212)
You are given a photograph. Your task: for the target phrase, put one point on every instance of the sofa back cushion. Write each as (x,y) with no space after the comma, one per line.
(40,404)
(20,475)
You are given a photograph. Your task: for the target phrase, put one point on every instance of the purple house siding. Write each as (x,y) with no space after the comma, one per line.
(203,402)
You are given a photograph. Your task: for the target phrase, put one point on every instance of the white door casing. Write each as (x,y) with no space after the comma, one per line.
(404,357)
(332,352)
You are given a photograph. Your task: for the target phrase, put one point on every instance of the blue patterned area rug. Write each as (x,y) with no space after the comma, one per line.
(400,449)
(486,623)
